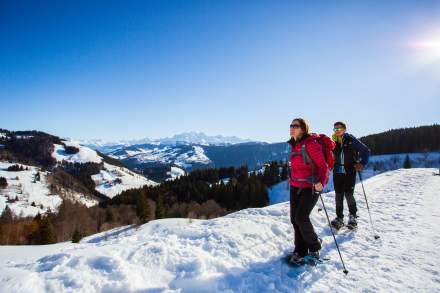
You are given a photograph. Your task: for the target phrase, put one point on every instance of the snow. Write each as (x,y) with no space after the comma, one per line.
(84,155)
(166,154)
(241,252)
(175,173)
(21,185)
(23,136)
(201,139)
(395,161)
(188,138)
(106,180)
(156,154)
(377,164)
(79,198)
(197,155)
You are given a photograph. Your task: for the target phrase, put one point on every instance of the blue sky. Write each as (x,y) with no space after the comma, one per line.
(115,70)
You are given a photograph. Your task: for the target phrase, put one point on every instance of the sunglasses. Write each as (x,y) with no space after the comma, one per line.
(295,126)
(338,129)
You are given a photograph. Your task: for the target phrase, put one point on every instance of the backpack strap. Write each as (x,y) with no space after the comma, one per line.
(303,153)
(307,160)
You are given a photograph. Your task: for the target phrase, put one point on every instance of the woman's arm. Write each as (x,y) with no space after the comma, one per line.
(319,164)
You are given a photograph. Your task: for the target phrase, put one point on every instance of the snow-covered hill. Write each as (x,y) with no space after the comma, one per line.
(241,252)
(111,180)
(28,191)
(24,194)
(182,156)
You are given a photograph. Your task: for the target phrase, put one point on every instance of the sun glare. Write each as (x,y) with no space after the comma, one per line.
(427,48)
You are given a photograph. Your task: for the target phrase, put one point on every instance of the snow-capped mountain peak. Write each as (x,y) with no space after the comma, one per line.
(201,138)
(192,137)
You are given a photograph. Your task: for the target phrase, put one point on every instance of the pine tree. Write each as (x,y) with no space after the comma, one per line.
(37,217)
(7,216)
(47,232)
(76,236)
(3,182)
(109,216)
(407,162)
(142,208)
(160,209)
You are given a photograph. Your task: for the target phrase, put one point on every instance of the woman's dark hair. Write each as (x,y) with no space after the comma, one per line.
(304,125)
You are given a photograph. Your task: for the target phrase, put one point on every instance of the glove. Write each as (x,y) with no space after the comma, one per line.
(318,186)
(358,167)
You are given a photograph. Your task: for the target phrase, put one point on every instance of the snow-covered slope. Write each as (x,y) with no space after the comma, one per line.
(25,195)
(84,155)
(111,180)
(28,192)
(241,252)
(197,155)
(183,156)
(175,173)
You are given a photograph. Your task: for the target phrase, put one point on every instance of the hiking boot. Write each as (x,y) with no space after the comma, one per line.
(337,223)
(352,223)
(296,259)
(313,254)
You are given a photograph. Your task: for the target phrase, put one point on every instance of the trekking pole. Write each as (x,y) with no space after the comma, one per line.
(368,208)
(314,191)
(320,209)
(334,237)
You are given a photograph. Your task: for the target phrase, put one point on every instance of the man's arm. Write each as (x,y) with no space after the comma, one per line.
(363,150)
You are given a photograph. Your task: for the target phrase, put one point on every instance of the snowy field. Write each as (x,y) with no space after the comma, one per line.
(112,180)
(24,195)
(84,154)
(241,252)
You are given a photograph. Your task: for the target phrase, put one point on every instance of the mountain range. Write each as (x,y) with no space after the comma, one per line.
(192,137)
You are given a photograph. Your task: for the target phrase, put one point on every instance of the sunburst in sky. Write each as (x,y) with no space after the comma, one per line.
(427,47)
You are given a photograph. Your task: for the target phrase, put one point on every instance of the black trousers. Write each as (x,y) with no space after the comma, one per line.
(302,202)
(344,188)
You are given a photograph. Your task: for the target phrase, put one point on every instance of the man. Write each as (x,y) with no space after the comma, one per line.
(351,156)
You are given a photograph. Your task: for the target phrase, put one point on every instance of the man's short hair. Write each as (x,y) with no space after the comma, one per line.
(341,124)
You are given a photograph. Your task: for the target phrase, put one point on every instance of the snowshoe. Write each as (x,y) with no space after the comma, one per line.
(295,259)
(337,223)
(352,223)
(312,258)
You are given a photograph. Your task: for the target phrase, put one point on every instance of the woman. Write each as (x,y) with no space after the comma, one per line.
(309,173)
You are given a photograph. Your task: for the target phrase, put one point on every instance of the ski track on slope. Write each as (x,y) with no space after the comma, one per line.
(241,252)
